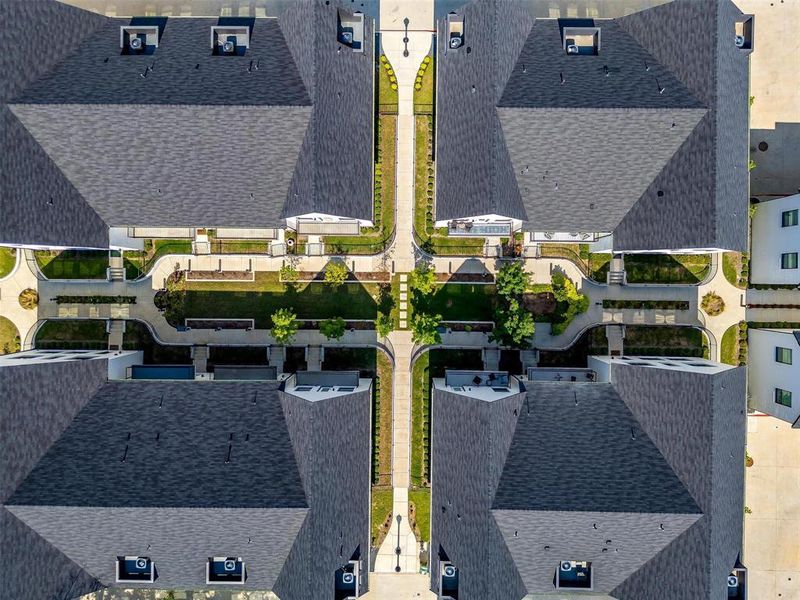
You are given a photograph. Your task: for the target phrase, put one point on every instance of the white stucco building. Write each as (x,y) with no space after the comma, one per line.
(776,242)
(774,369)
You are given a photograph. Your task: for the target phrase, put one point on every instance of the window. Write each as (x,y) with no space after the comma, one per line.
(789,260)
(789,218)
(783,397)
(783,355)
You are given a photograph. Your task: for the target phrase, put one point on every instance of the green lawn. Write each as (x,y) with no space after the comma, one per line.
(654,340)
(735,268)
(139,263)
(433,241)
(421,499)
(72,264)
(429,365)
(459,302)
(382,502)
(654,268)
(8,258)
(261,298)
(387,97)
(374,239)
(9,337)
(138,337)
(729,346)
(424,98)
(363,360)
(82,334)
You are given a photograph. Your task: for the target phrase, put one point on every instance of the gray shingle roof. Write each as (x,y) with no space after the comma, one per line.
(292,500)
(651,161)
(658,516)
(229,141)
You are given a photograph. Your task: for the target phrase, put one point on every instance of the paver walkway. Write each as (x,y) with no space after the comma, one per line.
(22,277)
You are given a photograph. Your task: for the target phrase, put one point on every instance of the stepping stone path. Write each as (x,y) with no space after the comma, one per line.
(404,301)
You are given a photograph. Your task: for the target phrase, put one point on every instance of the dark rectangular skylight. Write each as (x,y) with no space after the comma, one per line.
(574,575)
(581,40)
(225,570)
(346,582)
(448,581)
(135,569)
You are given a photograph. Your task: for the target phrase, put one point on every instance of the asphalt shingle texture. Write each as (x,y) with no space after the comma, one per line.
(656,185)
(180,137)
(210,469)
(675,529)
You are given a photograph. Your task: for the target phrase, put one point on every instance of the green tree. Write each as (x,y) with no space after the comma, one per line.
(333,329)
(336,273)
(384,324)
(514,326)
(289,274)
(569,301)
(424,329)
(512,279)
(423,279)
(284,325)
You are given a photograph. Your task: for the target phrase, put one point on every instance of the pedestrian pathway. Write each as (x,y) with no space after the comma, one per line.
(22,277)
(404,301)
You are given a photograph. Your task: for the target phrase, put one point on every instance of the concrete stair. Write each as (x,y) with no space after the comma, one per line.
(116,333)
(200,358)
(314,357)
(615,334)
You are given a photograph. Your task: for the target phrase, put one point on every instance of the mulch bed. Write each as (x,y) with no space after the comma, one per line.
(211,324)
(348,325)
(473,327)
(220,275)
(542,303)
(465,277)
(306,276)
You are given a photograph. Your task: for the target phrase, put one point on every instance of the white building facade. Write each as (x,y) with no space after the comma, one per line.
(775,255)
(774,373)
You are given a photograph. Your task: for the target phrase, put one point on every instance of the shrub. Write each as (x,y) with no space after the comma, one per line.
(384,59)
(333,329)
(394,86)
(336,273)
(569,302)
(423,279)
(712,304)
(29,299)
(384,325)
(425,329)
(284,325)
(289,274)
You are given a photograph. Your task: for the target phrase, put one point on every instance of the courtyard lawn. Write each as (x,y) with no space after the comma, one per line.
(261,298)
(735,268)
(138,337)
(72,334)
(387,97)
(139,263)
(382,504)
(72,264)
(423,98)
(421,499)
(654,268)
(363,360)
(729,346)
(9,337)
(8,258)
(654,340)
(460,302)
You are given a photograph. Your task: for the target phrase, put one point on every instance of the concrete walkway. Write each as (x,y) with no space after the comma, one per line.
(406,40)
(772,493)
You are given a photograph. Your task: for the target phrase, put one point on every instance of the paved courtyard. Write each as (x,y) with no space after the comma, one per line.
(772,529)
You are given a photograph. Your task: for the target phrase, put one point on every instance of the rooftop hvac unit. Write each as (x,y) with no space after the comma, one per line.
(566,565)
(141,563)
(456,41)
(229,565)
(228,47)
(573,49)
(740,41)
(733,581)
(136,43)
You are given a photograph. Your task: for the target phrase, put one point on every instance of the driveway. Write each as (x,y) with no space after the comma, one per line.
(775,85)
(772,530)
